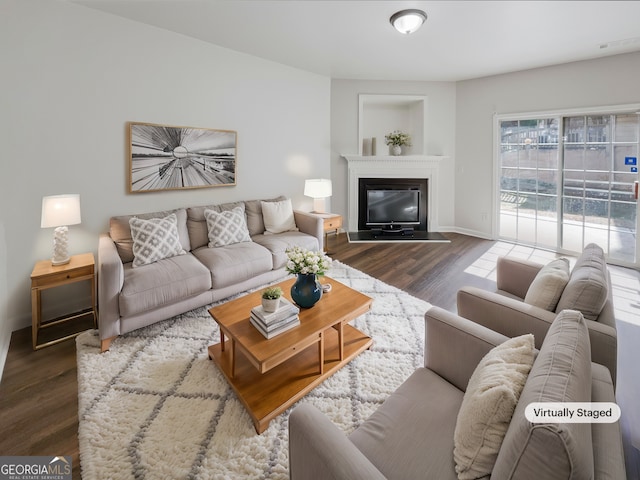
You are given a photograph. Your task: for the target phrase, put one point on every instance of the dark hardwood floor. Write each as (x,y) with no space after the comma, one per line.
(39,390)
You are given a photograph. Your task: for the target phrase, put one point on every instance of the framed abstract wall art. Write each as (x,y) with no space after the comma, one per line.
(163,157)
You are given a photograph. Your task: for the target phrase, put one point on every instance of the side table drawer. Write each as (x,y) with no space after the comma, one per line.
(61,277)
(333,223)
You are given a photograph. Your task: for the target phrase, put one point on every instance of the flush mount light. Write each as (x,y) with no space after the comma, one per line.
(408,21)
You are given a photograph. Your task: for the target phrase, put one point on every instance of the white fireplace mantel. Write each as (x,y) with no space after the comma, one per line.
(386,166)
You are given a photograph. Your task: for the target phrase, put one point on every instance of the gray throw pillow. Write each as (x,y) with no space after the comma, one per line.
(154,239)
(227,227)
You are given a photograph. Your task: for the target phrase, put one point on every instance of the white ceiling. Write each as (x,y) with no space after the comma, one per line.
(354,39)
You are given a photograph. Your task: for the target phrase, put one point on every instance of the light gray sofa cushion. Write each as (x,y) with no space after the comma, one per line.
(234,263)
(120,231)
(421,414)
(161,283)
(278,244)
(561,373)
(587,289)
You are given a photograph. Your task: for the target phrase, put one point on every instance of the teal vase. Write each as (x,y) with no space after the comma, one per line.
(306,291)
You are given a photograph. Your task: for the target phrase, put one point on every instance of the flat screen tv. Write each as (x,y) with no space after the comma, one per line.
(387,207)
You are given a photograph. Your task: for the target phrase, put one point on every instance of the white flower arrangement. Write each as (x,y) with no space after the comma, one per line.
(398,138)
(306,262)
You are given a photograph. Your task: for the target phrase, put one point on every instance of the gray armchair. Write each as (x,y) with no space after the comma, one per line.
(588,291)
(412,434)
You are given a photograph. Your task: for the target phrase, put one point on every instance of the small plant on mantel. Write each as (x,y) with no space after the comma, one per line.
(398,138)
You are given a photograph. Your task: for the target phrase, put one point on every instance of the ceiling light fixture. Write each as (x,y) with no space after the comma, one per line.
(408,21)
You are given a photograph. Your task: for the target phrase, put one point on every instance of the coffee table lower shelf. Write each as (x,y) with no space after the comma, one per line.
(267,395)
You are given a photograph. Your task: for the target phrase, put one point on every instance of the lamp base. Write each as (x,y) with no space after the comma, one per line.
(319,205)
(56,262)
(60,246)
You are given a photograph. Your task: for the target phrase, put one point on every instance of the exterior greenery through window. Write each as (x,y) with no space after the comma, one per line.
(564,182)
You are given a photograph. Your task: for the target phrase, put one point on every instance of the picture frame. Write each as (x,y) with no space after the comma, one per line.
(165,157)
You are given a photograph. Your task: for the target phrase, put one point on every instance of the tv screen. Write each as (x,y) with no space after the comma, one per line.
(385,207)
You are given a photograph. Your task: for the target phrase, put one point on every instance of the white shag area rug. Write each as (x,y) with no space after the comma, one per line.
(155,407)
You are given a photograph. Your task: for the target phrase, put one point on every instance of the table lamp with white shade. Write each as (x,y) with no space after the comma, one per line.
(318,189)
(59,211)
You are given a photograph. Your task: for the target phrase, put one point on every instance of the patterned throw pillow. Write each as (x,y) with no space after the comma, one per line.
(227,227)
(154,239)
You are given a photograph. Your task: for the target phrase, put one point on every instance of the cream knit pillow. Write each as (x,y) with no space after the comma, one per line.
(488,404)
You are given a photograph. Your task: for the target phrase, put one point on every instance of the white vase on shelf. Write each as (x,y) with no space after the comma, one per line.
(396,150)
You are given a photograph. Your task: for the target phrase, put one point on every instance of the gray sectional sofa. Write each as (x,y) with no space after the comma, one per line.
(131,297)
(412,435)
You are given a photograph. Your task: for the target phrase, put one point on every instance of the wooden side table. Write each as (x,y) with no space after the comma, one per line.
(332,223)
(44,276)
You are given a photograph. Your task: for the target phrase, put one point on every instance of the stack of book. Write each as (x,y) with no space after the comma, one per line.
(272,324)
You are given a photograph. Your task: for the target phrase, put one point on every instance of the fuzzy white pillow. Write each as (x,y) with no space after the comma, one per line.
(488,405)
(547,287)
(278,217)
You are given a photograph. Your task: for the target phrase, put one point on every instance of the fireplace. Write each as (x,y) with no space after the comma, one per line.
(392,204)
(412,168)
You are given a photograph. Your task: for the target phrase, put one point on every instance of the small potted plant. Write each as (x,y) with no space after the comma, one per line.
(271,299)
(396,140)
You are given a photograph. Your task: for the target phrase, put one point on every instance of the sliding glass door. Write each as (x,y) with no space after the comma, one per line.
(566,181)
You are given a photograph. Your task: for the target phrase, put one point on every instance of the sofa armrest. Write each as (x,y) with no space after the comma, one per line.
(604,346)
(454,345)
(512,318)
(514,275)
(506,315)
(110,282)
(320,450)
(310,224)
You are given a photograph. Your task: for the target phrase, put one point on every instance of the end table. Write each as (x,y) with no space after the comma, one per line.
(45,275)
(332,223)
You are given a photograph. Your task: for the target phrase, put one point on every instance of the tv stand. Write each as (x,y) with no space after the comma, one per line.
(391,230)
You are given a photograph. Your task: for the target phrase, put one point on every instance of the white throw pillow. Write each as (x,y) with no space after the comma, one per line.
(547,287)
(488,405)
(278,217)
(154,239)
(226,227)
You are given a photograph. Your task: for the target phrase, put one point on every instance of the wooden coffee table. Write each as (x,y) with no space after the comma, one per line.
(269,376)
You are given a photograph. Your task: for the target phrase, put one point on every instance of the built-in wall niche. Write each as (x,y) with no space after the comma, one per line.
(382,114)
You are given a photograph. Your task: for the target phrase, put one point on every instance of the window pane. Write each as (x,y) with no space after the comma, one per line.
(623,215)
(597,157)
(509,156)
(574,130)
(598,128)
(574,157)
(626,128)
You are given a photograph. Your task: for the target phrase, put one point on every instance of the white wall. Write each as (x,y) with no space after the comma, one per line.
(603,82)
(73,77)
(441,106)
